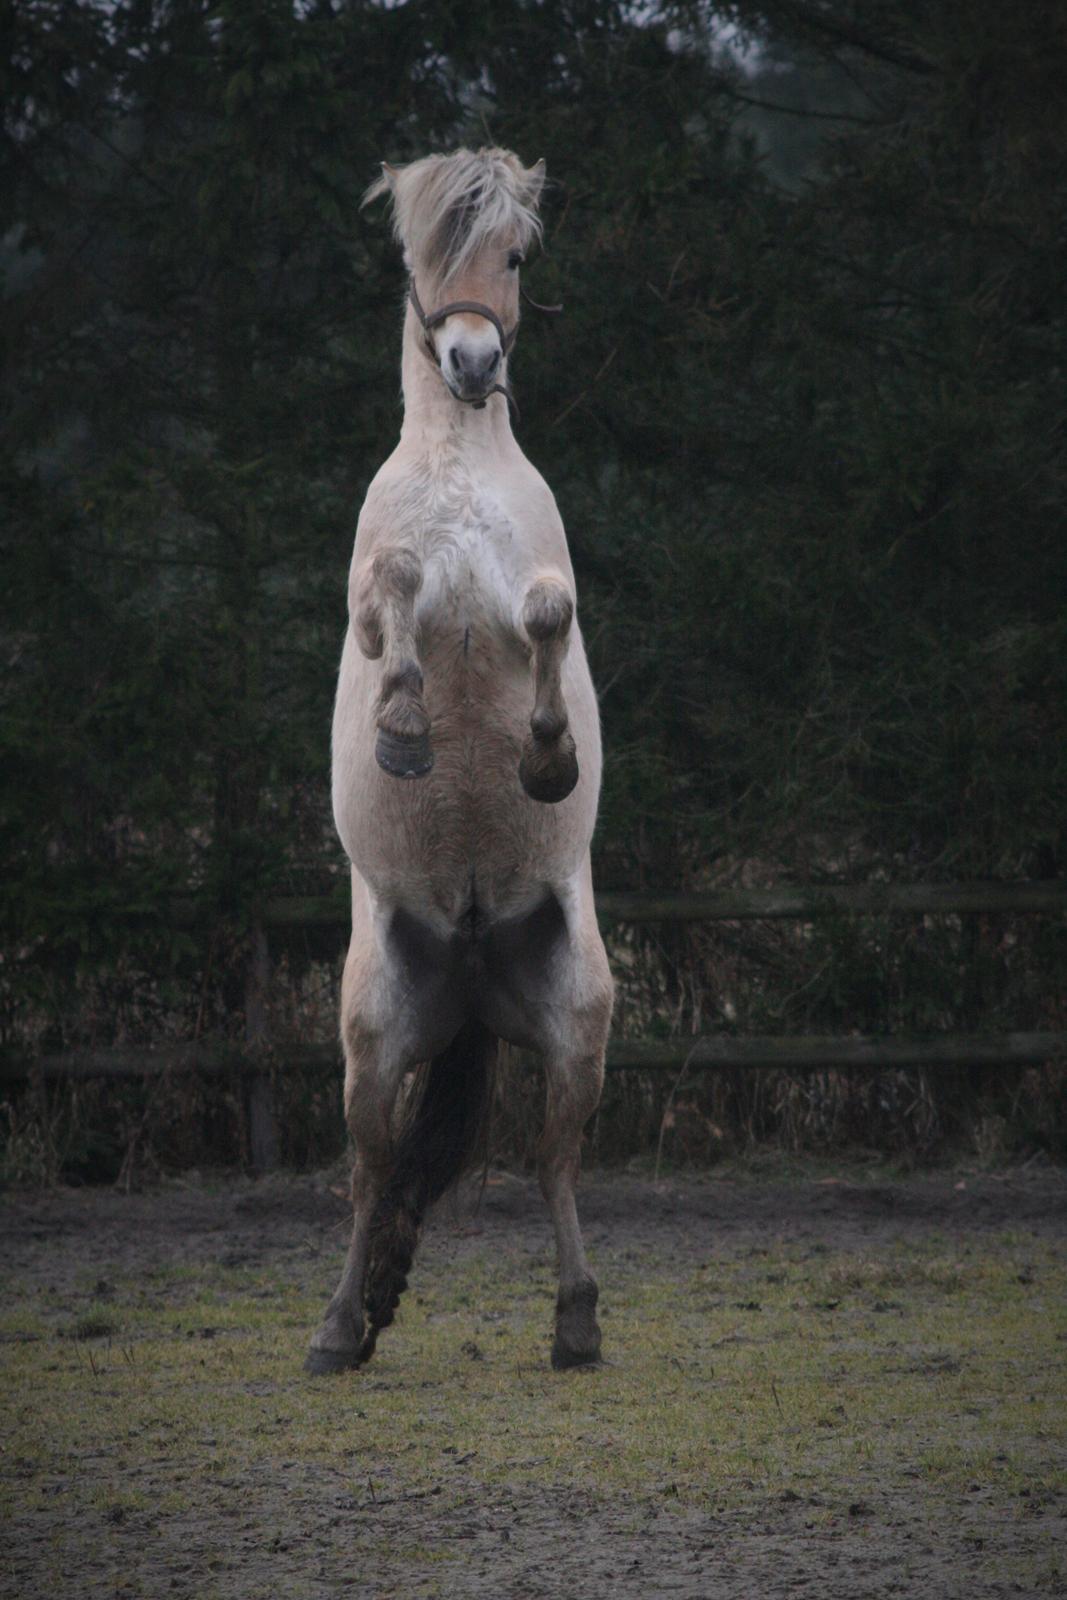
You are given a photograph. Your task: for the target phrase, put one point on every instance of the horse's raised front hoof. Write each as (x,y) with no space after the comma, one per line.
(403,758)
(549,772)
(577,1341)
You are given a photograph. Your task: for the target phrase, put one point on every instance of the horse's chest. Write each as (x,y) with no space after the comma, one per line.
(470,561)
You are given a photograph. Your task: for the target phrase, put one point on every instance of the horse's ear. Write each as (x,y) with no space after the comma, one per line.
(534,181)
(385,184)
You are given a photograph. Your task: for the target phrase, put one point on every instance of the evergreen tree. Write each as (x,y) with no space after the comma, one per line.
(803,414)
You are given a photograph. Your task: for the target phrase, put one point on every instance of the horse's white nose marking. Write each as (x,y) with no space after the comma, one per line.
(469,356)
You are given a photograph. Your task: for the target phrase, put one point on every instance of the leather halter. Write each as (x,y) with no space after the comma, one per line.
(432,319)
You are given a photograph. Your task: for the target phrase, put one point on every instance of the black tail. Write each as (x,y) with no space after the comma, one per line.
(442,1137)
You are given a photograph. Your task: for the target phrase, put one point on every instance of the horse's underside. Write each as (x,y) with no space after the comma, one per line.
(484,971)
(466,772)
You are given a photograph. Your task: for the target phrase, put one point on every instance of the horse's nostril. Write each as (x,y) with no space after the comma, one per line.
(453,356)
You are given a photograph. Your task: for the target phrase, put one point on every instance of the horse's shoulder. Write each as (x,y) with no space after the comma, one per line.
(395,502)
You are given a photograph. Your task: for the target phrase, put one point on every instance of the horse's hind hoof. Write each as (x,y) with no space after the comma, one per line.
(564,1359)
(549,772)
(577,1341)
(403,758)
(321,1362)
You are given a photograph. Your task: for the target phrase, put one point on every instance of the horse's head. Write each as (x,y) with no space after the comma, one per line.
(465,221)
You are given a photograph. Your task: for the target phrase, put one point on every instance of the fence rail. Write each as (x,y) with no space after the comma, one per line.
(722,905)
(808,1053)
(255,1056)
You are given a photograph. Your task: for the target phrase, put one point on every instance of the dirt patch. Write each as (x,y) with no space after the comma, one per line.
(160,1439)
(242,1221)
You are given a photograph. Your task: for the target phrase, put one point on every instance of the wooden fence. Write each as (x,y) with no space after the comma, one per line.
(256,1056)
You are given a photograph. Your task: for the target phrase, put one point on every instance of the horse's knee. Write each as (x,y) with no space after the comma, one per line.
(365,612)
(398,572)
(404,683)
(547,610)
(392,575)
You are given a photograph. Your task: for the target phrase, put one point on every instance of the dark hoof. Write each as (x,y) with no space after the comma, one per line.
(549,772)
(563,1357)
(403,758)
(319,1362)
(577,1342)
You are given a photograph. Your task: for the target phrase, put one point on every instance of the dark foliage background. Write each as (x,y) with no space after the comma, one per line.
(804,417)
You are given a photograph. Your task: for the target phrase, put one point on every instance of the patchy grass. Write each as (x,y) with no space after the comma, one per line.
(854,1386)
(841,1378)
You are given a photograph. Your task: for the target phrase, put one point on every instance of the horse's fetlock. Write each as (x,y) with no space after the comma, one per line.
(549,771)
(401,709)
(408,677)
(580,1296)
(548,724)
(404,716)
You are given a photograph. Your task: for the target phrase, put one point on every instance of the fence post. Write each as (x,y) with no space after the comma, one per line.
(262,1128)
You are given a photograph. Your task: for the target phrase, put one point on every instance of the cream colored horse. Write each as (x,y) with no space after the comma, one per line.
(466,767)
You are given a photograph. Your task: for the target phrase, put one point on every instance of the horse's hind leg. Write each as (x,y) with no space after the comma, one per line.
(375,1061)
(574,1077)
(383,612)
(371,1085)
(574,1084)
(401,1004)
(548,770)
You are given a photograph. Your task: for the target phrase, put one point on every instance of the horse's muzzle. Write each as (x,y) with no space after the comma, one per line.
(470,374)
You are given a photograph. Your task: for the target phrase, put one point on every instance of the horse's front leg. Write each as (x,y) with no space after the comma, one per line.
(548,769)
(383,617)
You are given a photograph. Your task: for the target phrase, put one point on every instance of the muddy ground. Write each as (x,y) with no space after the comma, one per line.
(93,1511)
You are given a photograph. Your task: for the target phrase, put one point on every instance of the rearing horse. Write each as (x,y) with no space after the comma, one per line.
(466,768)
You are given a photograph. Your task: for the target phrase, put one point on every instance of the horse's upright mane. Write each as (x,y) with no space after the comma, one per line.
(446,208)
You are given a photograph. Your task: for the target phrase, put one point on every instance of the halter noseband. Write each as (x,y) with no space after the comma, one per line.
(432,319)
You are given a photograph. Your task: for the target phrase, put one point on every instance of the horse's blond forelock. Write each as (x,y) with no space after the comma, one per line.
(447,208)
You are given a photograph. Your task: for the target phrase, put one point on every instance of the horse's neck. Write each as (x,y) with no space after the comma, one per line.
(434,421)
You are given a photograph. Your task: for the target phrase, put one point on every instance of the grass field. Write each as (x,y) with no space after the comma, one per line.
(843,1387)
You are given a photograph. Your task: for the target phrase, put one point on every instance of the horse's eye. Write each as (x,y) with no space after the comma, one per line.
(514,259)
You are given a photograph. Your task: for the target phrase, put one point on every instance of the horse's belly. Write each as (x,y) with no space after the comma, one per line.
(467,829)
